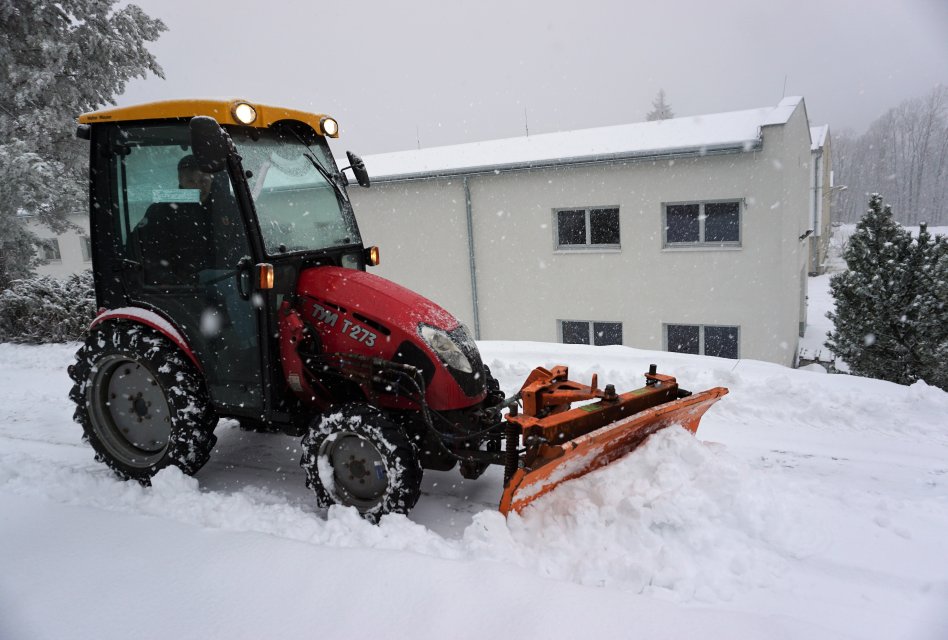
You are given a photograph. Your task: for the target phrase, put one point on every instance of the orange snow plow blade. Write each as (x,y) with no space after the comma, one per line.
(562,443)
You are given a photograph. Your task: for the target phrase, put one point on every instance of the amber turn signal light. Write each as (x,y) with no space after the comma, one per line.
(265,275)
(372,256)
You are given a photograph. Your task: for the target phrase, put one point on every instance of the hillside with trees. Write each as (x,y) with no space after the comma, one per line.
(903,154)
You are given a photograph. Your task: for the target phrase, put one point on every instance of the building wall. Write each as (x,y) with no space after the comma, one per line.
(525,285)
(791,145)
(420,228)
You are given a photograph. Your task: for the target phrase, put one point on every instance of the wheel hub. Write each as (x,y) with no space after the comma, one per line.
(140,407)
(130,411)
(358,469)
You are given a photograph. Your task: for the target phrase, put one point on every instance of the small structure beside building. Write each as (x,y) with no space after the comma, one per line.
(821,192)
(64,254)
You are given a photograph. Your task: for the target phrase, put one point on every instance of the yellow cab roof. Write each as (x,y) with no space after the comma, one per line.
(221,110)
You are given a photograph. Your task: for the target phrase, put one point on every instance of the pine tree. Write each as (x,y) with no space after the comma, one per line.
(932,308)
(891,317)
(57,59)
(661,110)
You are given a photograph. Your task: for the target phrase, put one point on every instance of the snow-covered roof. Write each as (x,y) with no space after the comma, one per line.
(818,136)
(714,133)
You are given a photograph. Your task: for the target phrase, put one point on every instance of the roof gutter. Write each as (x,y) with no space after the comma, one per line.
(604,159)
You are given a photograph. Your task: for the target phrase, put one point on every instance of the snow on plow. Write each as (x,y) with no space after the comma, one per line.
(560,443)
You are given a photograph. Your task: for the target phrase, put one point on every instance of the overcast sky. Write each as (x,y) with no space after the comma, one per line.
(443,72)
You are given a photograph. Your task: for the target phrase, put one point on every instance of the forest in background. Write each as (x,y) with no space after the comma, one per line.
(903,155)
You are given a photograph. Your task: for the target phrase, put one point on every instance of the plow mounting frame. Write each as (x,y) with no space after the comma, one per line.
(560,443)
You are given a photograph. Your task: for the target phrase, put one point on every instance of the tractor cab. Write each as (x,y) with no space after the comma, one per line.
(209,222)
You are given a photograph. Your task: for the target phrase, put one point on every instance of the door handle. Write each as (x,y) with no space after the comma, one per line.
(125,263)
(244,268)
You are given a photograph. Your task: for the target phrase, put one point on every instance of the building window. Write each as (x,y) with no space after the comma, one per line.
(86,245)
(590,332)
(708,340)
(579,228)
(703,223)
(49,250)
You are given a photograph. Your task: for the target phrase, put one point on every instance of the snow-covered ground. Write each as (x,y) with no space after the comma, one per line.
(810,506)
(819,302)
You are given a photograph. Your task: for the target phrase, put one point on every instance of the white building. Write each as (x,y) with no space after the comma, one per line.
(689,234)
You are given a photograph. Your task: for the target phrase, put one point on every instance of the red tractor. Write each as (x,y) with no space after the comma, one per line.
(230,277)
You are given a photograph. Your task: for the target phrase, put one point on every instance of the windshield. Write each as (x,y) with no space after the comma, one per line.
(299,207)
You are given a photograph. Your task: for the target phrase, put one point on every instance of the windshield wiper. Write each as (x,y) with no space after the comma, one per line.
(319,167)
(327,176)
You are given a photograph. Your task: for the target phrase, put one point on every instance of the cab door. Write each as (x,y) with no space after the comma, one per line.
(182,238)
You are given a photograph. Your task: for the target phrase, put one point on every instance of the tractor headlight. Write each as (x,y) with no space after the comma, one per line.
(244,113)
(445,347)
(329,126)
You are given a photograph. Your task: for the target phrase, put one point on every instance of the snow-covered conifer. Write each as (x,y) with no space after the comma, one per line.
(891,316)
(931,303)
(661,110)
(57,59)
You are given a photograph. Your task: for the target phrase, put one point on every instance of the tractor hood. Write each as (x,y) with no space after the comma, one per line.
(374,297)
(357,312)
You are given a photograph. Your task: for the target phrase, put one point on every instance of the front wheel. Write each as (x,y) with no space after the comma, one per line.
(357,457)
(141,403)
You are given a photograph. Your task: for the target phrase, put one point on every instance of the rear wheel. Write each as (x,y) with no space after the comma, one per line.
(142,405)
(358,457)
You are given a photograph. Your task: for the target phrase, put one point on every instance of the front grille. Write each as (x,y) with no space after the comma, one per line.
(408,353)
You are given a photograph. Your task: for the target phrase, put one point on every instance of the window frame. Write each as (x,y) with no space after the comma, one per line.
(85,246)
(701,339)
(702,217)
(53,245)
(591,324)
(558,247)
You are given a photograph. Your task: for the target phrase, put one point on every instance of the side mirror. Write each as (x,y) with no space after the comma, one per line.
(358,168)
(209,144)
